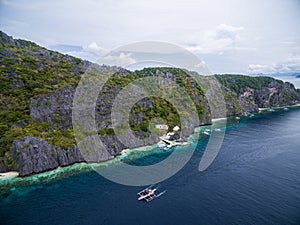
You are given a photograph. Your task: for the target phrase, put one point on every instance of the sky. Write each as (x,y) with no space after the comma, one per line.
(232,36)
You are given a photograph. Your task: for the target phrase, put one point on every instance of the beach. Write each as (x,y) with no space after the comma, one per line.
(10,174)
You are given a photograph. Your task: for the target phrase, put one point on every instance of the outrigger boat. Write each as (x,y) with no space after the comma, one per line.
(148,194)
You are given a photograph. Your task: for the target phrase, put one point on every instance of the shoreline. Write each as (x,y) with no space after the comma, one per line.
(219,119)
(10,174)
(279,107)
(83,166)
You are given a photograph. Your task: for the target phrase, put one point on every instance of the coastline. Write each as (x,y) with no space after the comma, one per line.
(60,172)
(219,119)
(11,178)
(279,107)
(10,174)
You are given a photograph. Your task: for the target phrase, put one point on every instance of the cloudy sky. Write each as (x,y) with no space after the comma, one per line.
(231,36)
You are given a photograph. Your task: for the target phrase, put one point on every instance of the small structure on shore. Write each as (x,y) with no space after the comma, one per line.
(162,127)
(124,151)
(170,139)
(176,128)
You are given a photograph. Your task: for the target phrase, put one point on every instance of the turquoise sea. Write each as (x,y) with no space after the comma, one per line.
(255,179)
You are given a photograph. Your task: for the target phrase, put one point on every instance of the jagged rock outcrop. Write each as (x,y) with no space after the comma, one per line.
(245,94)
(276,94)
(33,155)
(55,109)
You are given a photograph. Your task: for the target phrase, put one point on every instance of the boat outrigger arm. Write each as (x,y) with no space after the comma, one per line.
(148,194)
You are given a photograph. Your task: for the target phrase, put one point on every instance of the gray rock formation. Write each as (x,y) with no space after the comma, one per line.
(56,109)
(276,94)
(33,155)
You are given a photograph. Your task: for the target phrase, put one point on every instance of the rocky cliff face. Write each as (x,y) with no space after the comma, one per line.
(245,94)
(55,109)
(39,86)
(33,155)
(276,94)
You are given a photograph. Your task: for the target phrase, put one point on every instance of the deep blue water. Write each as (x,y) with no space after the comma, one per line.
(255,179)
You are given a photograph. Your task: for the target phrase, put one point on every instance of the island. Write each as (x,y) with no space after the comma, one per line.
(38,87)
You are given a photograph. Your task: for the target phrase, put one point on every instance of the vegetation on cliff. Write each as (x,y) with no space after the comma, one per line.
(30,71)
(36,81)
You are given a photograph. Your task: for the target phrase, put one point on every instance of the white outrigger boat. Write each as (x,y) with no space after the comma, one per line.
(148,194)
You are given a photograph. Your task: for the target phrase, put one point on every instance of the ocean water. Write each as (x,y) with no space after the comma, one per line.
(255,179)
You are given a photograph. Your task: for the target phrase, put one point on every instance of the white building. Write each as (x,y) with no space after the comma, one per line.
(162,126)
(176,128)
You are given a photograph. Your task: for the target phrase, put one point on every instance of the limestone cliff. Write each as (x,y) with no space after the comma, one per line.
(38,87)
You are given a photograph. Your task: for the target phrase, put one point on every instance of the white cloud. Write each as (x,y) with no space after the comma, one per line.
(291,64)
(93,47)
(91,52)
(219,39)
(123,59)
